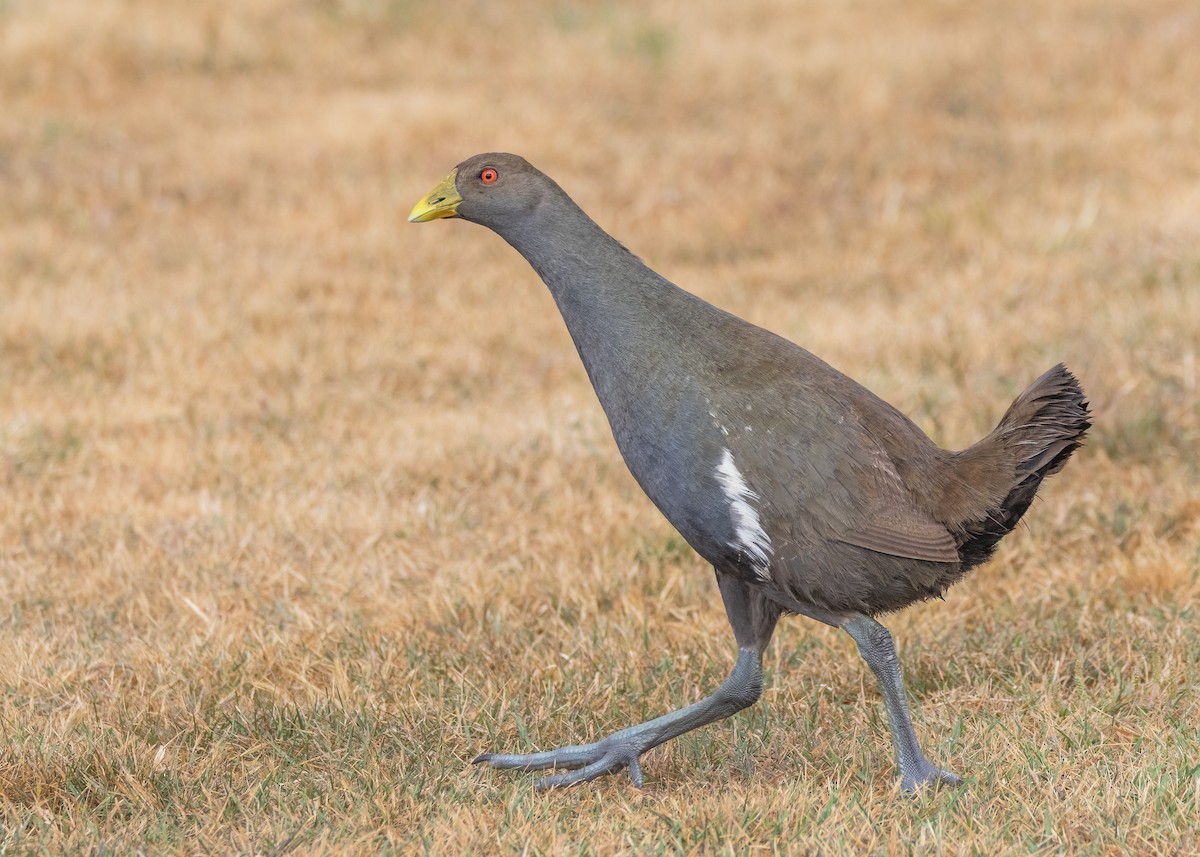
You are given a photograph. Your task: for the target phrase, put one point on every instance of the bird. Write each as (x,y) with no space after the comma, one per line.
(808,494)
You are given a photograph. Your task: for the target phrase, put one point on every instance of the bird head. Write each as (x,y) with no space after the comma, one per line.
(487,189)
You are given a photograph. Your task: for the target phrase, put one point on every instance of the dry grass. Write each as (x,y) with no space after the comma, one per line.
(300,506)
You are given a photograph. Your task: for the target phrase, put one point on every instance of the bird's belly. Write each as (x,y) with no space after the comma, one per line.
(683,478)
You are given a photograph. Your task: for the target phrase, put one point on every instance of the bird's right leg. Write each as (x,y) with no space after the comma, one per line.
(753,620)
(877,649)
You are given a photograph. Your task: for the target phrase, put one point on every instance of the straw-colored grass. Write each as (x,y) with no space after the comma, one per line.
(302,506)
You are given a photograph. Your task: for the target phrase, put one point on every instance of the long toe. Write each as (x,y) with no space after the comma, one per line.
(563,757)
(581,763)
(949,778)
(583,775)
(929,776)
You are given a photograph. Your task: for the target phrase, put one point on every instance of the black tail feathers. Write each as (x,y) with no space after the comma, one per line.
(1039,431)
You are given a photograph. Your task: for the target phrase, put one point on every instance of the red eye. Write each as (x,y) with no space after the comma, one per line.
(488,176)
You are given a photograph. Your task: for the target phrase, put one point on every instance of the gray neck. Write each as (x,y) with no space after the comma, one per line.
(620,313)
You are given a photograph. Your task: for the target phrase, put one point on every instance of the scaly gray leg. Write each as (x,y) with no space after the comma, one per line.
(622,749)
(752,619)
(877,649)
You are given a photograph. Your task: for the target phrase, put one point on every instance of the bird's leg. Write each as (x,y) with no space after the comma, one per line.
(877,649)
(622,749)
(752,623)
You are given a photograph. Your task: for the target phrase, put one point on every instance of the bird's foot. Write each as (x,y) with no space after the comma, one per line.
(927,774)
(582,762)
(623,749)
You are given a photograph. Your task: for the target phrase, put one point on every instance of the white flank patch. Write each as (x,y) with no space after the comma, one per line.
(752,539)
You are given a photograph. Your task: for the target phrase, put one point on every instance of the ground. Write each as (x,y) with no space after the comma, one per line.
(302,506)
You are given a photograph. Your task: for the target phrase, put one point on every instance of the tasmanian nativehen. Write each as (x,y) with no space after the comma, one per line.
(806,492)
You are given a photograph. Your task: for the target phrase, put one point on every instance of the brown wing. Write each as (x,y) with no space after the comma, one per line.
(904,533)
(829,478)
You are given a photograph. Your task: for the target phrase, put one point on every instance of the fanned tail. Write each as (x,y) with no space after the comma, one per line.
(1036,435)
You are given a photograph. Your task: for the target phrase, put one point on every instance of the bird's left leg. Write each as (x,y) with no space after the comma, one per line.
(877,649)
(753,620)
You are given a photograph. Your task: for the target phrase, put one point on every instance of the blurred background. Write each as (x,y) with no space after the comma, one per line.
(280,470)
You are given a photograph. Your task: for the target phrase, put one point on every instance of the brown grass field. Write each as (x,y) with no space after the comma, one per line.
(302,506)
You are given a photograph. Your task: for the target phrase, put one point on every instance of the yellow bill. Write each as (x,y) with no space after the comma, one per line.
(442,201)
